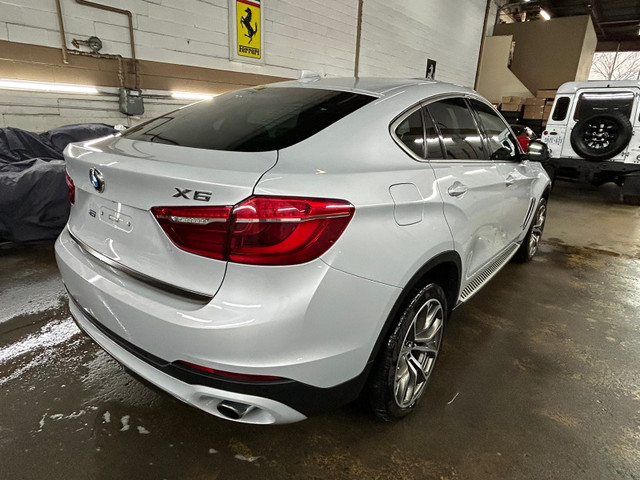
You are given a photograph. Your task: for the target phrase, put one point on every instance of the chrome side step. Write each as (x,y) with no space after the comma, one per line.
(487,273)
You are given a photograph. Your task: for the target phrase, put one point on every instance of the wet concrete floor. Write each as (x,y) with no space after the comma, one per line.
(538,379)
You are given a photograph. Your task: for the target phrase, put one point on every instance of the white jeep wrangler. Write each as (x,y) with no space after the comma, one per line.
(593,134)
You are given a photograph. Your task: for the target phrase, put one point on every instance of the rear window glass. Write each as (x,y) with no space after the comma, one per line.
(455,122)
(411,133)
(433,140)
(590,104)
(251,120)
(502,143)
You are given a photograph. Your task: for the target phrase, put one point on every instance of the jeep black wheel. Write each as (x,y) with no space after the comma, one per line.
(601,136)
(405,364)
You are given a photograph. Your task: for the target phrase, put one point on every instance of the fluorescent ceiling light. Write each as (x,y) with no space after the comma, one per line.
(192,96)
(544,14)
(46,87)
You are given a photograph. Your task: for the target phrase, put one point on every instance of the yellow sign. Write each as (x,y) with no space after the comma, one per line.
(248,28)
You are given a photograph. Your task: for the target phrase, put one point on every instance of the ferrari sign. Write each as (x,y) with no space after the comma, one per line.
(248,28)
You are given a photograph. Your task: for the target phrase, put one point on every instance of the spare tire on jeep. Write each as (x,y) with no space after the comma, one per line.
(601,136)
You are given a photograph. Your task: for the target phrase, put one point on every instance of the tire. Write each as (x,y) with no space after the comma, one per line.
(405,364)
(601,136)
(531,241)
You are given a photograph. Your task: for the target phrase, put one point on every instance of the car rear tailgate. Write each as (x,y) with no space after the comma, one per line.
(116,224)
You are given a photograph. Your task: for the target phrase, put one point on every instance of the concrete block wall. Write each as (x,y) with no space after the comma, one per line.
(396,40)
(310,35)
(398,37)
(40,112)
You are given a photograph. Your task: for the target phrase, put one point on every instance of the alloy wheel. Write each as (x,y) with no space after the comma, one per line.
(536,230)
(600,134)
(418,353)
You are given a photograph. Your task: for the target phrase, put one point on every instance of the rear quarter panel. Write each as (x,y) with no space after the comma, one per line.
(357,160)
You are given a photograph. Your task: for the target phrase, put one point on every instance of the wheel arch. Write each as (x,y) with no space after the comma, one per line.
(444,269)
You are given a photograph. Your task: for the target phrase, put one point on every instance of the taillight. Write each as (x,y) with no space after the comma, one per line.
(71,188)
(199,230)
(259,230)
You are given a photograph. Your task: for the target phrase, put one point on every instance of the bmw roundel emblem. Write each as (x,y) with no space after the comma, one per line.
(97,180)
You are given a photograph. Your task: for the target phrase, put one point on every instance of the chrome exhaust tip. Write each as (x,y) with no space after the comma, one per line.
(234,410)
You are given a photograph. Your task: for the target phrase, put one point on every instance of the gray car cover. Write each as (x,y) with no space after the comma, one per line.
(34,206)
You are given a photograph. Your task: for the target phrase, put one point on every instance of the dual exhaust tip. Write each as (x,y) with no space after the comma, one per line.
(234,410)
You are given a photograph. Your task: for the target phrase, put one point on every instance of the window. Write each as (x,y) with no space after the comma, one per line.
(458,129)
(251,120)
(502,143)
(590,104)
(562,108)
(434,150)
(411,133)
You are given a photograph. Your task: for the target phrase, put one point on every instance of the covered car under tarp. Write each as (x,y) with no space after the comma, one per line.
(34,205)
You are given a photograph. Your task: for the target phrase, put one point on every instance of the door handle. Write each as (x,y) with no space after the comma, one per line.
(510,180)
(457,189)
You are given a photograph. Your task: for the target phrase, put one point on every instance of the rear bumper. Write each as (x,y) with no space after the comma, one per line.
(206,398)
(300,323)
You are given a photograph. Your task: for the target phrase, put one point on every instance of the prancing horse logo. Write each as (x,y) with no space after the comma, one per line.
(246,23)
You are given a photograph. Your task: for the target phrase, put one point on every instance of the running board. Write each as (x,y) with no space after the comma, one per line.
(487,273)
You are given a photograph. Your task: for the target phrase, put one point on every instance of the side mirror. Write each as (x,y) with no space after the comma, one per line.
(538,151)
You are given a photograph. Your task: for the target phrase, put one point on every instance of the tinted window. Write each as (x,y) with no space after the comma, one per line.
(590,104)
(434,149)
(561,109)
(250,120)
(502,143)
(411,132)
(460,135)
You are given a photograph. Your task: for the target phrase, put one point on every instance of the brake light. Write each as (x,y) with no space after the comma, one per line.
(259,230)
(71,188)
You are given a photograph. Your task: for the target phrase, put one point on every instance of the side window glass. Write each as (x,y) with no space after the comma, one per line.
(561,109)
(590,104)
(411,133)
(502,143)
(459,133)
(434,151)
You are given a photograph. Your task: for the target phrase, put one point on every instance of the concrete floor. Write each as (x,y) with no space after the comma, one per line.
(538,379)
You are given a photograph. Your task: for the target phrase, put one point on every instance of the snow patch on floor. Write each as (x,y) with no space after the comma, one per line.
(246,459)
(50,335)
(43,295)
(125,423)
(62,416)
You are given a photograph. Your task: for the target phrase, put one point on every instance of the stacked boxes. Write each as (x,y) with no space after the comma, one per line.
(536,109)
(548,95)
(511,109)
(511,104)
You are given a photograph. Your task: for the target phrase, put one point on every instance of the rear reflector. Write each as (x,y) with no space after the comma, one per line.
(259,230)
(71,188)
(230,375)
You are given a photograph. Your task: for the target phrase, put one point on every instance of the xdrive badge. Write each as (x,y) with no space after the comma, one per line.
(97,179)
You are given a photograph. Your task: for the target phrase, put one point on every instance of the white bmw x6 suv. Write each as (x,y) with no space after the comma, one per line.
(270,253)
